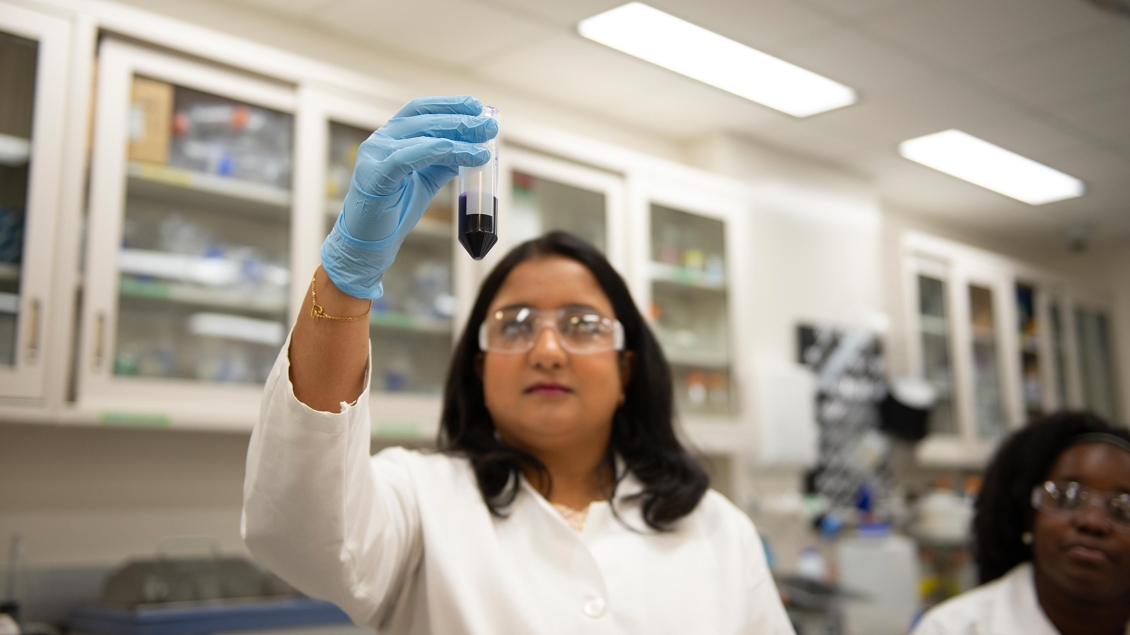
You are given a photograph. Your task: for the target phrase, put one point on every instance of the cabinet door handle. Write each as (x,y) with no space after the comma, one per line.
(99,338)
(33,331)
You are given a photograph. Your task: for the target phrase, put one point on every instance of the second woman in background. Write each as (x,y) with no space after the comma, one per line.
(1051,536)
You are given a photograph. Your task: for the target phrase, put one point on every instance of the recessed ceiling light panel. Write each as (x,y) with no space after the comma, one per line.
(992,167)
(688,49)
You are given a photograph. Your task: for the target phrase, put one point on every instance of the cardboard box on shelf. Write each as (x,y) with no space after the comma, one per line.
(150,120)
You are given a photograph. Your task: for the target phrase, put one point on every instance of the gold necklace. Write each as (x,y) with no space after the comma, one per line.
(575,518)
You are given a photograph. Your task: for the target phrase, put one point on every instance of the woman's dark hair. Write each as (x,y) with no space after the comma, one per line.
(1003,511)
(643,433)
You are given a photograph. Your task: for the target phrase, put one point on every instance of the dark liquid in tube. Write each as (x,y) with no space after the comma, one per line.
(477,232)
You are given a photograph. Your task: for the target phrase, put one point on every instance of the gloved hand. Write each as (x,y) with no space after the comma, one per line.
(399,168)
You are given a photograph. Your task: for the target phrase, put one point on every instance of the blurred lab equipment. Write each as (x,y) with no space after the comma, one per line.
(906,409)
(883,567)
(784,400)
(944,517)
(169,595)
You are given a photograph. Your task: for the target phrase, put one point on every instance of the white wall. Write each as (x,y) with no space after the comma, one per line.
(814,242)
(99,495)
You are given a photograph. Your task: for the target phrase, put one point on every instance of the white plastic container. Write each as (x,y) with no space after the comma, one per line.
(883,568)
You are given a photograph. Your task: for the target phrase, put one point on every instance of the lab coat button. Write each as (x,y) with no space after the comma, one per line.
(594,608)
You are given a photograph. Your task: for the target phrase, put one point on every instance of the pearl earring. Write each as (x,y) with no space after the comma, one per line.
(1026,537)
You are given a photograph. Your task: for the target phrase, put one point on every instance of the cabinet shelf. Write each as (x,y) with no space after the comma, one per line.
(698,359)
(208,191)
(982,334)
(425,228)
(681,276)
(14,151)
(407,322)
(933,324)
(9,271)
(190,294)
(9,303)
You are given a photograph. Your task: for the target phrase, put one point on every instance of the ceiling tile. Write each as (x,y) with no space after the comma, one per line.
(935,103)
(675,106)
(1095,165)
(453,32)
(290,7)
(570,70)
(1070,72)
(962,32)
(861,7)
(1105,117)
(804,137)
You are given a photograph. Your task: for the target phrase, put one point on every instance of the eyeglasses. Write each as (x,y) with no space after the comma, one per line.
(579,329)
(1066,499)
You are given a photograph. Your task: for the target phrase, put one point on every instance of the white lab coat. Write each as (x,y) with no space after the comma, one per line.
(1005,606)
(403,542)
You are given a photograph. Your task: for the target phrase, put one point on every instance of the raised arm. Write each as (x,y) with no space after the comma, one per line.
(317,509)
(399,169)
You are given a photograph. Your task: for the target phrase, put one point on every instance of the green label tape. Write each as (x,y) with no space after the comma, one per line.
(134,419)
(396,430)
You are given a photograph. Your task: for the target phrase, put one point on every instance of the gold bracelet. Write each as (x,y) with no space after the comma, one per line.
(317,311)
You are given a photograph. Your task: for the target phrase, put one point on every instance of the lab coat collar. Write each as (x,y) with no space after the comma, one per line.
(1017,608)
(624,501)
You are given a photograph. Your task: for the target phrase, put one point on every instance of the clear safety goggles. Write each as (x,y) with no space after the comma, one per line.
(1069,498)
(579,330)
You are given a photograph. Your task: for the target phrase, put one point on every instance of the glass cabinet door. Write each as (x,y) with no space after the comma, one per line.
(543,194)
(934,334)
(689,307)
(988,402)
(33,75)
(539,205)
(1059,354)
(1029,326)
(17,74)
(411,325)
(204,261)
(188,276)
(1096,368)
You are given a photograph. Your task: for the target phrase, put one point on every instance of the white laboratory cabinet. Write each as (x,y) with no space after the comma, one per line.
(211,192)
(1002,343)
(687,275)
(35,51)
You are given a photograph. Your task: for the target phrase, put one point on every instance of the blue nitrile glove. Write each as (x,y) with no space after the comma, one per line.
(399,168)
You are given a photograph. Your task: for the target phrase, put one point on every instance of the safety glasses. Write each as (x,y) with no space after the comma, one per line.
(579,330)
(1068,498)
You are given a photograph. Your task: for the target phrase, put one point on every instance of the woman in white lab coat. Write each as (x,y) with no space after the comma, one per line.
(1051,536)
(560,499)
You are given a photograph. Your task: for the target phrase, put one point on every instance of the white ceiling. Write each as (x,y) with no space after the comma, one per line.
(1049,79)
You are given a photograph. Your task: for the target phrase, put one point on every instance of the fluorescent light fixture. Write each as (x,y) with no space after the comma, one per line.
(992,167)
(678,45)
